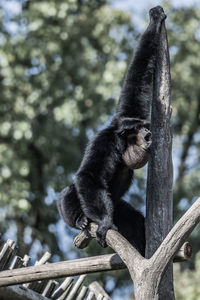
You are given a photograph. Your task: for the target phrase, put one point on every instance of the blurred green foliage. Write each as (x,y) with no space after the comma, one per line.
(57,72)
(61,67)
(187,281)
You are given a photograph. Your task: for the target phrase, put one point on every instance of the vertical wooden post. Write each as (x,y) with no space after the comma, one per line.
(160,169)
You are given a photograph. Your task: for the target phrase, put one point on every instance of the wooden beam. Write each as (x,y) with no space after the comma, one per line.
(62,269)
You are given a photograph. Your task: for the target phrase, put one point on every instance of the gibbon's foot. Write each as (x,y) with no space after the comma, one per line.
(157,14)
(82,222)
(101,234)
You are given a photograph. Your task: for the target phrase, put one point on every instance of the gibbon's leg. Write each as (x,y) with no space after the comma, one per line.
(96,205)
(135,95)
(130,224)
(70,208)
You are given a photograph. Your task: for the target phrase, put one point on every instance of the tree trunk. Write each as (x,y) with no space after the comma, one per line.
(160,169)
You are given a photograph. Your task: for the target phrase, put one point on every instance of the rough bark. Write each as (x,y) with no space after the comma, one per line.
(97,289)
(160,170)
(83,238)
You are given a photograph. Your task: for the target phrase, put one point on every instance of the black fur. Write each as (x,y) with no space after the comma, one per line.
(103,178)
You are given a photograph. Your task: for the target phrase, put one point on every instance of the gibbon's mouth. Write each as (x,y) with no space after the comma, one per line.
(147,137)
(145,141)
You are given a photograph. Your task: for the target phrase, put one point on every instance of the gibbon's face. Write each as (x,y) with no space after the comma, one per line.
(144,138)
(140,136)
(138,143)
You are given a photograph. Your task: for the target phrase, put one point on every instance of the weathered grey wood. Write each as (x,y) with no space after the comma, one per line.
(5,258)
(34,286)
(39,286)
(19,293)
(62,288)
(3,251)
(185,253)
(100,297)
(160,170)
(97,289)
(76,287)
(176,237)
(151,271)
(26,260)
(81,242)
(7,253)
(63,297)
(12,251)
(61,269)
(45,257)
(16,262)
(82,293)
(49,289)
(90,296)
(56,285)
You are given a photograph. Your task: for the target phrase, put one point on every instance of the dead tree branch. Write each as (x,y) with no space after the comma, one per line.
(177,236)
(84,237)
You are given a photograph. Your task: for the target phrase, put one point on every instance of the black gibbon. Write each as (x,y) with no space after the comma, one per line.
(106,171)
